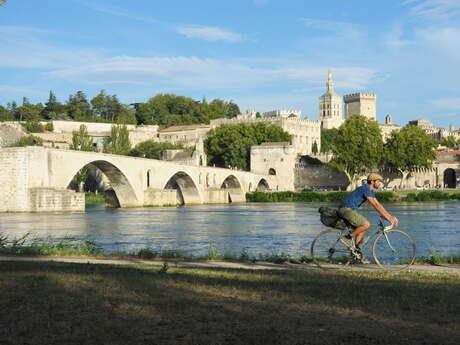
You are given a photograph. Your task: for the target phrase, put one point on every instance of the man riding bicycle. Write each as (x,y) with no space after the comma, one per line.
(348,209)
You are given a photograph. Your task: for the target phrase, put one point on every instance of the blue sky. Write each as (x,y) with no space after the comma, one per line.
(262,54)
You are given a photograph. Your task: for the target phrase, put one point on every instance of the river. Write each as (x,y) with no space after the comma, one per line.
(257,229)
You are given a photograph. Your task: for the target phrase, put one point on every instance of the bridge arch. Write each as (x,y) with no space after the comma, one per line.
(450,178)
(235,190)
(125,195)
(187,191)
(262,186)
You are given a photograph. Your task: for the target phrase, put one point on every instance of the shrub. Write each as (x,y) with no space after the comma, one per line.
(49,127)
(29,140)
(33,127)
(385,196)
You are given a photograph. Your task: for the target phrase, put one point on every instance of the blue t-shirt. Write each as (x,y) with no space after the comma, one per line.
(358,196)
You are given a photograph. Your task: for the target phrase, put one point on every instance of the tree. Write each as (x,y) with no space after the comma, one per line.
(314,148)
(449,141)
(81,140)
(78,107)
(5,114)
(230,145)
(327,138)
(119,143)
(153,150)
(357,147)
(53,109)
(408,150)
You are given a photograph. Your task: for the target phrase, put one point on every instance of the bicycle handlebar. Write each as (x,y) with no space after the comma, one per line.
(385,228)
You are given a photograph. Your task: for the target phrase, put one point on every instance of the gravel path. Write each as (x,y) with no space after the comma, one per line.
(222,264)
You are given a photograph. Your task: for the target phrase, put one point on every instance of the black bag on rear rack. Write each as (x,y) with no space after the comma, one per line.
(330,217)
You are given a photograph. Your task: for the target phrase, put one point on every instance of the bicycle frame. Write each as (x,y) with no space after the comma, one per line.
(373,233)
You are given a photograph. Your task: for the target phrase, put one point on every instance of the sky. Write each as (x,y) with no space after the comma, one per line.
(261,54)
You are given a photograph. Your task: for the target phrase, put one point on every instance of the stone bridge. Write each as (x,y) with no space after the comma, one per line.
(37,179)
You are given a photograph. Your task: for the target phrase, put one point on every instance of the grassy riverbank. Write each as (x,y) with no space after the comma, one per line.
(94,199)
(335,197)
(69,247)
(56,303)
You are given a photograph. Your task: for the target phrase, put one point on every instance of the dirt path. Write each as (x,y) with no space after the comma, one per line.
(222,264)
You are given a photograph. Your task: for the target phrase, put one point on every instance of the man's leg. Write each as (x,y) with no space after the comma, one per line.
(358,233)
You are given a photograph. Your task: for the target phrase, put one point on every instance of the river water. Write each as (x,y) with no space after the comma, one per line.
(258,229)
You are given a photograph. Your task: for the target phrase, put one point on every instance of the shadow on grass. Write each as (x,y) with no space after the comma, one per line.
(56,303)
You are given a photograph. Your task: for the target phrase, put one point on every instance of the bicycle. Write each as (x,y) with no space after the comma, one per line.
(392,249)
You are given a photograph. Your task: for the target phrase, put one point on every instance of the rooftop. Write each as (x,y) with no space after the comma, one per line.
(183,128)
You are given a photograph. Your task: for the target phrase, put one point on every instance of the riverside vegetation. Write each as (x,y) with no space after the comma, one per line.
(336,197)
(30,245)
(59,303)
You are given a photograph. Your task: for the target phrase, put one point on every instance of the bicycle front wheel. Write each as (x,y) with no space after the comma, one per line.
(394,250)
(327,250)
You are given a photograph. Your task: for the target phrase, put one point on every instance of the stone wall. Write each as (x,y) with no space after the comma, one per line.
(321,175)
(54,199)
(10,133)
(14,195)
(21,193)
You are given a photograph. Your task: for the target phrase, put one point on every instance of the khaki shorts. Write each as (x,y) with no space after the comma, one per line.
(352,216)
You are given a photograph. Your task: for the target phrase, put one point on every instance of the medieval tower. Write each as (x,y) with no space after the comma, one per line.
(330,106)
(361,104)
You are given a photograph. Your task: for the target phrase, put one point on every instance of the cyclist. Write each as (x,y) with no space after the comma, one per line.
(348,210)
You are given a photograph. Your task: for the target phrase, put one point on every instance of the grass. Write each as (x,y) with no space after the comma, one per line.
(335,197)
(94,199)
(57,303)
(28,245)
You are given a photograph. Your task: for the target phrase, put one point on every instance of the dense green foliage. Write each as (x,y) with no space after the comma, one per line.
(336,197)
(449,141)
(163,110)
(170,110)
(94,199)
(28,140)
(119,143)
(151,149)
(432,195)
(408,150)
(358,146)
(81,140)
(33,126)
(328,136)
(230,145)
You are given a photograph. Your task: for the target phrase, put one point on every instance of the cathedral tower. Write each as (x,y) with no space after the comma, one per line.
(330,106)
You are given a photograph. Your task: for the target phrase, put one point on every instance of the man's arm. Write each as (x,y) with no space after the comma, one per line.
(381,210)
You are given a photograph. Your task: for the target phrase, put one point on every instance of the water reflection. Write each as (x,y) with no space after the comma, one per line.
(255,228)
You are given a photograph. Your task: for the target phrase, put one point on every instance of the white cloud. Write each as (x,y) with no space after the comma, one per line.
(181,72)
(24,47)
(117,11)
(209,33)
(447,103)
(440,40)
(339,28)
(434,9)
(394,38)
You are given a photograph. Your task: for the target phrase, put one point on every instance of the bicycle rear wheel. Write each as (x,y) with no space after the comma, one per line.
(394,250)
(327,250)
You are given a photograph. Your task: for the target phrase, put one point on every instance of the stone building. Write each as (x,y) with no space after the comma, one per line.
(361,104)
(275,159)
(435,132)
(186,135)
(330,106)
(388,127)
(304,132)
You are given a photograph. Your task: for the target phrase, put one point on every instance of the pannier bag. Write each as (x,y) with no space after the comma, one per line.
(330,217)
